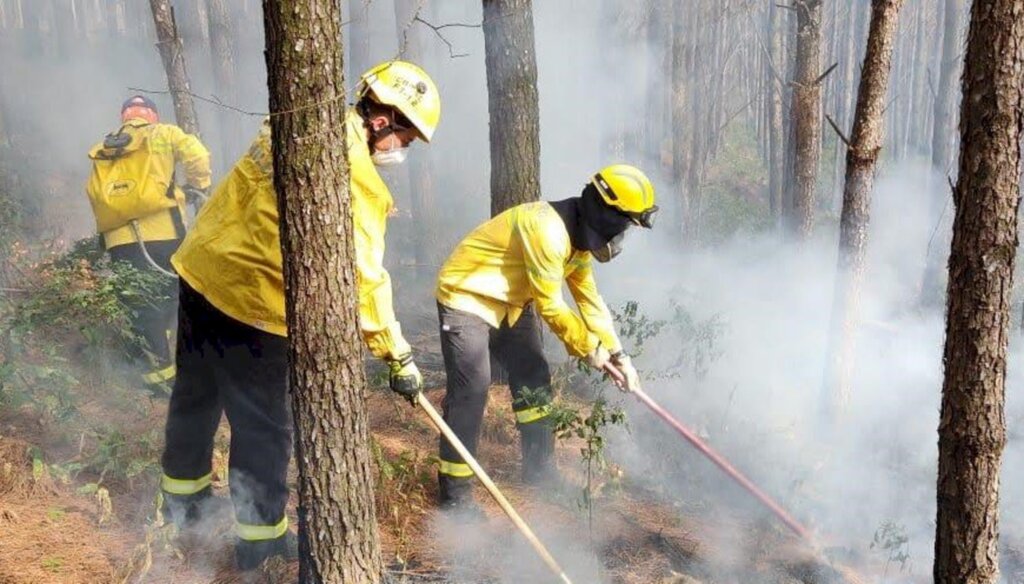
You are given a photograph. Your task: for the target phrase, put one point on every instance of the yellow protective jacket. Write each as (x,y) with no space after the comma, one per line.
(524,255)
(232,256)
(134,182)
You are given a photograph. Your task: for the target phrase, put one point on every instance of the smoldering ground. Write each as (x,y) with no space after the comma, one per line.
(757,395)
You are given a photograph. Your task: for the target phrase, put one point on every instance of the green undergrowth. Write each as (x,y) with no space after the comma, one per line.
(65,347)
(585,409)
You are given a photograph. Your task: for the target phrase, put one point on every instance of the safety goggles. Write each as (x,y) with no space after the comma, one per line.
(643,218)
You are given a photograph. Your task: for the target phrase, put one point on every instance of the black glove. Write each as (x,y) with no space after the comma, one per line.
(405,378)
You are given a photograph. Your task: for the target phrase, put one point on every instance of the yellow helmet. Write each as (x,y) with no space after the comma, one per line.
(408,89)
(627,189)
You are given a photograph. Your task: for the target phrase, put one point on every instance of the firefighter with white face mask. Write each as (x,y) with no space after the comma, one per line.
(502,280)
(232,348)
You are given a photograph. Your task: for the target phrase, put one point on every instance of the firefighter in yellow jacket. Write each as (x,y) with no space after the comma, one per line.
(140,211)
(495,285)
(232,343)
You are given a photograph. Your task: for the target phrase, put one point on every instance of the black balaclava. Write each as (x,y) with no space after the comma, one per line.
(593,225)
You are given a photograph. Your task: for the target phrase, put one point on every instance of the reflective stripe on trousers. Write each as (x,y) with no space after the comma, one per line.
(455,469)
(185,486)
(160,375)
(262,532)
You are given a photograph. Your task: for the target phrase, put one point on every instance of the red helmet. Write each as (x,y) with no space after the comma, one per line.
(139,106)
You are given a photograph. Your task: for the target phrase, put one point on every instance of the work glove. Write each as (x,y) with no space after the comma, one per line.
(405,378)
(195,196)
(624,364)
(598,358)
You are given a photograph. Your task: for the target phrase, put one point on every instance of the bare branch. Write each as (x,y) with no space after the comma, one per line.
(438,28)
(732,116)
(826,73)
(839,132)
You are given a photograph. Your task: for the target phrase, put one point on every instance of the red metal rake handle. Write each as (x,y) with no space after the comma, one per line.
(723,464)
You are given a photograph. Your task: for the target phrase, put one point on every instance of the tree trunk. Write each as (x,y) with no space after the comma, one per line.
(222,53)
(512,101)
(777,145)
(66,27)
(681,150)
(338,536)
(861,155)
(421,181)
(942,144)
(919,104)
(806,108)
(972,424)
(174,65)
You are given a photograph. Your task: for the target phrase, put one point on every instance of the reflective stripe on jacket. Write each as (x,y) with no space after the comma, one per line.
(524,255)
(232,256)
(150,173)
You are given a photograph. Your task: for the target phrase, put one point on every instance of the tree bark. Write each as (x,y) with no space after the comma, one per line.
(806,108)
(919,104)
(777,145)
(943,141)
(680,79)
(861,156)
(338,536)
(972,424)
(512,101)
(222,53)
(169,45)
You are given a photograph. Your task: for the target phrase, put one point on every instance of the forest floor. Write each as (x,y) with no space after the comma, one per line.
(78,506)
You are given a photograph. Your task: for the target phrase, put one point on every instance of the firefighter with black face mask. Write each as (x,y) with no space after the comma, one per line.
(500,282)
(140,215)
(232,345)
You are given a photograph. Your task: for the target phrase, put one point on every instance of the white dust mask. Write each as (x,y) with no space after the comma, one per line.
(392,157)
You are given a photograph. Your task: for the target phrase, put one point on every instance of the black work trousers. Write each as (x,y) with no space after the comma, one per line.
(227,366)
(153,319)
(467,343)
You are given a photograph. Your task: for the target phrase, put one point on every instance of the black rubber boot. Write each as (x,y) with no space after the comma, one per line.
(454,492)
(537,444)
(250,554)
(187,511)
(457,501)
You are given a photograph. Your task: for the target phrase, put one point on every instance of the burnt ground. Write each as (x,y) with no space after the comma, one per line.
(97,524)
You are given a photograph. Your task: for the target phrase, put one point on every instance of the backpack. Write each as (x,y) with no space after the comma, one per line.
(121,188)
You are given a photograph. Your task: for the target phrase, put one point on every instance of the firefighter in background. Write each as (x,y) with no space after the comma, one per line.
(232,345)
(140,213)
(496,284)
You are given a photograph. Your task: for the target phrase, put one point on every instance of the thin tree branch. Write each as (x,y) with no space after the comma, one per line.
(437,31)
(826,73)
(839,132)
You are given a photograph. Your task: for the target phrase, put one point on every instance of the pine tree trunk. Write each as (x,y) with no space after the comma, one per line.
(337,521)
(806,108)
(919,103)
(943,143)
(681,150)
(421,181)
(861,156)
(169,45)
(776,88)
(222,53)
(513,103)
(972,423)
